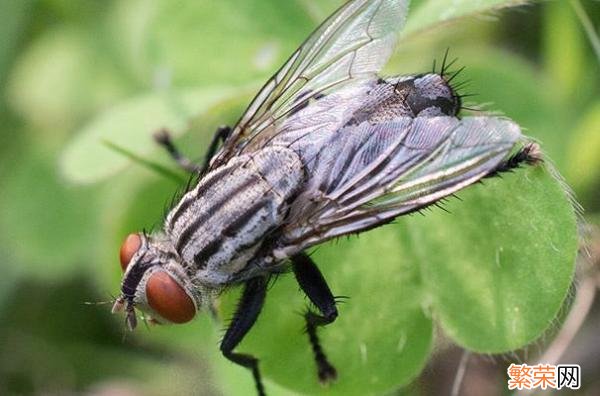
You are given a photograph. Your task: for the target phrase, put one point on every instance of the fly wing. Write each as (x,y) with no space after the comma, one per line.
(351,46)
(371,173)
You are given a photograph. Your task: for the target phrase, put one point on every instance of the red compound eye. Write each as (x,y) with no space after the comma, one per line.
(128,249)
(167,298)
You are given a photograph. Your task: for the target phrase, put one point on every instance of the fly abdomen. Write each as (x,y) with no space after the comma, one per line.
(217,226)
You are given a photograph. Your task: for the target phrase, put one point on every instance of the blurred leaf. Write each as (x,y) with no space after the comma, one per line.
(424,14)
(130,125)
(588,26)
(154,166)
(428,13)
(203,42)
(564,49)
(319,10)
(189,43)
(59,79)
(68,11)
(584,164)
(62,346)
(10,277)
(13,20)
(48,225)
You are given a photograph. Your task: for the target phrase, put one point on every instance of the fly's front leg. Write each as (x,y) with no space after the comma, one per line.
(315,287)
(245,315)
(219,137)
(163,138)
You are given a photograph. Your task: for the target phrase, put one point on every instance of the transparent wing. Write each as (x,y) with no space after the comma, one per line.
(370,174)
(352,45)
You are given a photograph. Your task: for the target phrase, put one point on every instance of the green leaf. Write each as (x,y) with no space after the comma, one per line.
(498,268)
(428,13)
(14,17)
(44,345)
(565,49)
(493,273)
(48,226)
(60,78)
(202,42)
(130,125)
(584,165)
(156,167)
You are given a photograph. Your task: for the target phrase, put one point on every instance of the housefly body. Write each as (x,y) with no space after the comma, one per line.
(327,148)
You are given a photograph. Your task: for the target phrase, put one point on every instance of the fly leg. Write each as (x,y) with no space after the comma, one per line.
(531,154)
(245,315)
(315,287)
(163,138)
(219,137)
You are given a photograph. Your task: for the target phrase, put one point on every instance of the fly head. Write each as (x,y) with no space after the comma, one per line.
(155,282)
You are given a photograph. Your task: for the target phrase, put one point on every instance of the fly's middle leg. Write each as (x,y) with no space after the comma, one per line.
(163,138)
(315,287)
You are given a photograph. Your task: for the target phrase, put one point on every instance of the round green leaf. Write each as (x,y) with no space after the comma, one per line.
(498,268)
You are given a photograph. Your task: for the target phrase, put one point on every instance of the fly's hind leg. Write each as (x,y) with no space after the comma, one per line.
(530,154)
(315,287)
(245,315)
(163,138)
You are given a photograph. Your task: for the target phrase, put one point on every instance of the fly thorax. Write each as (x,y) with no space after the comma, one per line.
(428,95)
(218,226)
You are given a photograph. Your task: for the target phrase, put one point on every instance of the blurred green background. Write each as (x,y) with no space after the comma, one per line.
(74,74)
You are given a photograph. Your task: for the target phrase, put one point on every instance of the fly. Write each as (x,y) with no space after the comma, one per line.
(327,148)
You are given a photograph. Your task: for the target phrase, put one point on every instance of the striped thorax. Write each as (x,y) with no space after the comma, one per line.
(210,236)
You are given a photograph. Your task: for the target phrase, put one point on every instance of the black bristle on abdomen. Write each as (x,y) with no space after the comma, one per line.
(530,154)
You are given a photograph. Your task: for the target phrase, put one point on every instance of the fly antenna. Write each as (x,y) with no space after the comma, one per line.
(112,300)
(94,303)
